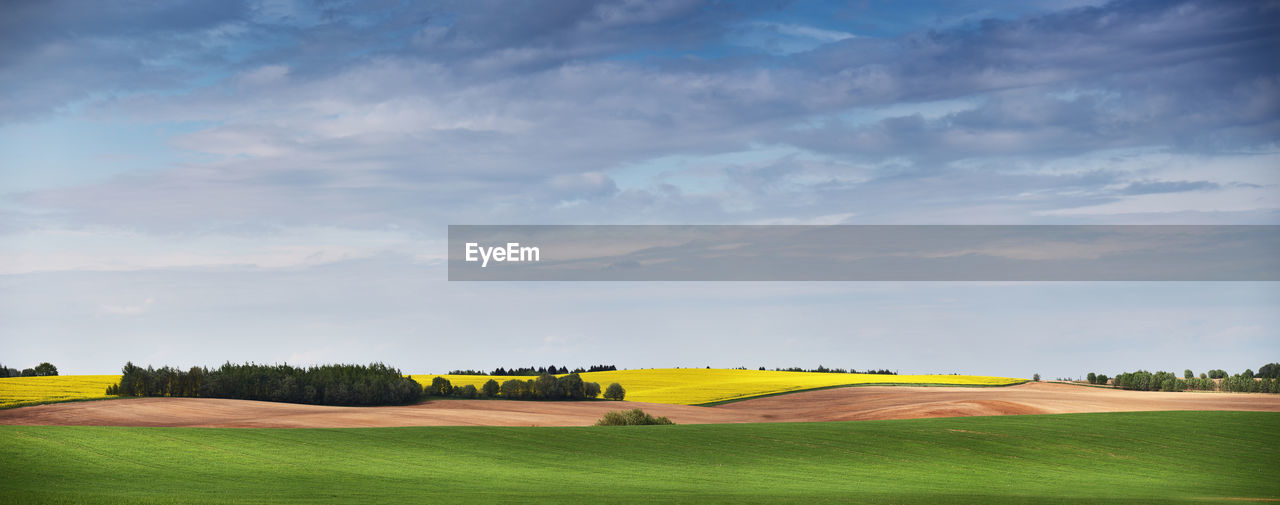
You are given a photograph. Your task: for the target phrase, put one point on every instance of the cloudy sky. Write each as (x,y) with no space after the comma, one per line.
(190,183)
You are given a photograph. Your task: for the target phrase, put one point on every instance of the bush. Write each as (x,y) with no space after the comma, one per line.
(633,417)
(615,392)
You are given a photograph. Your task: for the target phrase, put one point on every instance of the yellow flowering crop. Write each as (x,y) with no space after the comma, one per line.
(19,391)
(696,386)
(684,386)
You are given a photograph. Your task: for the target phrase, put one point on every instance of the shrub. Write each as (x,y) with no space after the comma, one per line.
(633,417)
(615,392)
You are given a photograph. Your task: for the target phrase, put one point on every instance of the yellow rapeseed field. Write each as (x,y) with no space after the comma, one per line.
(683,386)
(19,391)
(696,386)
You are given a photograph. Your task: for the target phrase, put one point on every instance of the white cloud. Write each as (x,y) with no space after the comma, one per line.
(128,310)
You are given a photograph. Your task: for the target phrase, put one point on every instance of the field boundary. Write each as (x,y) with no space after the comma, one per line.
(68,400)
(820,388)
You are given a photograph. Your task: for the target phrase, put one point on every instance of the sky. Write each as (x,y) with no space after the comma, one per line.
(189,183)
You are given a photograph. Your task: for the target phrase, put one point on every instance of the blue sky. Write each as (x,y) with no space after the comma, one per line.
(189,183)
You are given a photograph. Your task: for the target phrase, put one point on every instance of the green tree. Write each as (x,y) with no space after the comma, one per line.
(615,392)
(1092,378)
(571,386)
(546,387)
(590,389)
(1036,377)
(490,388)
(514,389)
(1188,374)
(440,386)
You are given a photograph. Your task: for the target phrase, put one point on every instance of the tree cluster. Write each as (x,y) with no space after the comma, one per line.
(531,371)
(633,417)
(1097,378)
(374,384)
(1244,382)
(543,387)
(45,369)
(823,369)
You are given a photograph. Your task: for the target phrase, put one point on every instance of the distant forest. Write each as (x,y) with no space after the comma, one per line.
(531,371)
(375,384)
(560,370)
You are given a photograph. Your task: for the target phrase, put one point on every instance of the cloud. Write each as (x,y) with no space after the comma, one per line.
(128,310)
(337,116)
(1147,187)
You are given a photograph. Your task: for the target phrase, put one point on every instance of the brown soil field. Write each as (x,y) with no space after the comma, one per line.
(841,404)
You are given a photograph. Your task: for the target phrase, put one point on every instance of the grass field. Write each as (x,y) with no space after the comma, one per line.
(1148,457)
(21,391)
(700,386)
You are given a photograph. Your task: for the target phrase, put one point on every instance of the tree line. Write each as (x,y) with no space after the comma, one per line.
(374,384)
(543,387)
(531,371)
(45,369)
(823,369)
(1267,380)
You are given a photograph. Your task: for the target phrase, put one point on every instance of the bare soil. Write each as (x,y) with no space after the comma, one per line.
(841,404)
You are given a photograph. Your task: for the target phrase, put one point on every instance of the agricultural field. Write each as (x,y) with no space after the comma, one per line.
(702,386)
(680,386)
(22,391)
(1112,458)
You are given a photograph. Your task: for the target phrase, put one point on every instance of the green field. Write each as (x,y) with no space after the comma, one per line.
(1147,457)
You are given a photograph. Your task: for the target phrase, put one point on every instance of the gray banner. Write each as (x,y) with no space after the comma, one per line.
(863,253)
